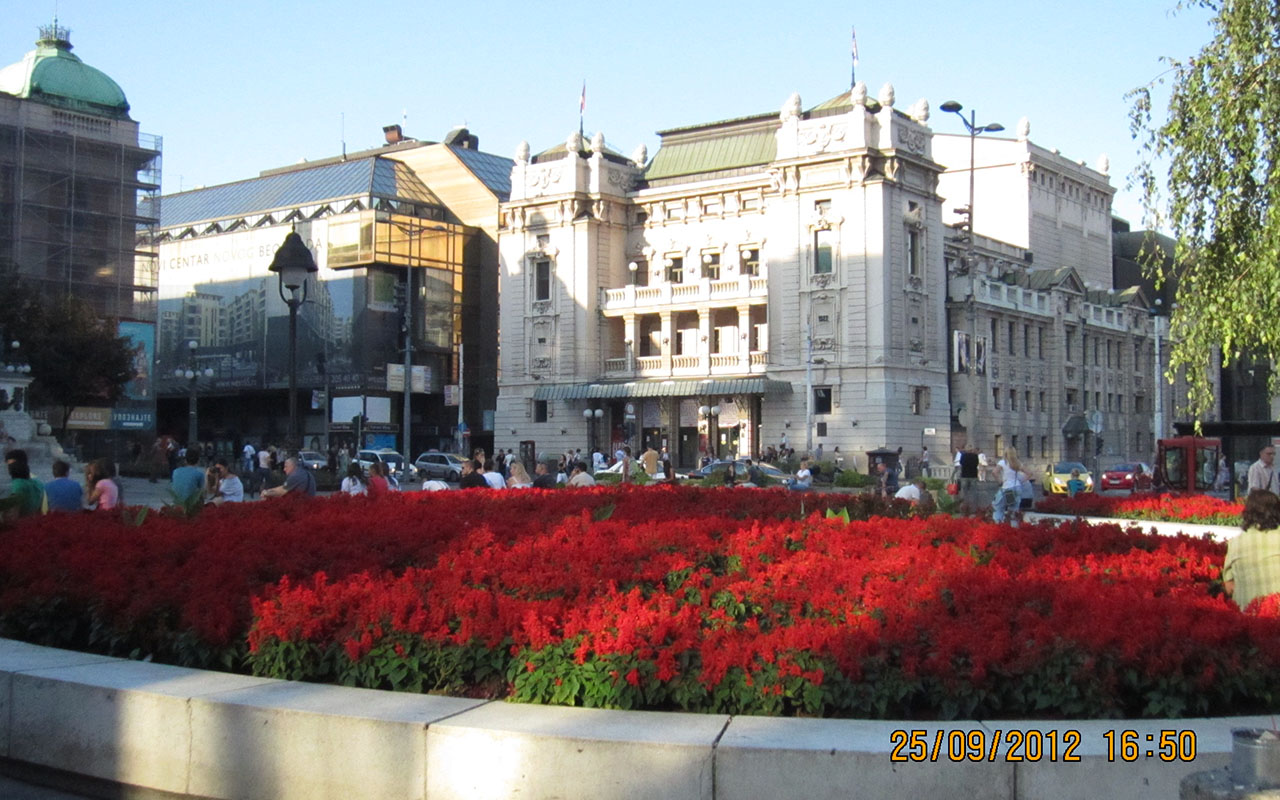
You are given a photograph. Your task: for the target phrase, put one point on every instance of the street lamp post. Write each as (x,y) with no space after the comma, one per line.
(14,361)
(293,264)
(974,130)
(711,414)
(192,373)
(592,416)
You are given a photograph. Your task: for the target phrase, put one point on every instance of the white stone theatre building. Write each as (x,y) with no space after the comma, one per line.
(772,276)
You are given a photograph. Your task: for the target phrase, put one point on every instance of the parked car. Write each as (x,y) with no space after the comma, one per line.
(403,470)
(1057,475)
(313,460)
(636,466)
(439,466)
(1127,476)
(716,470)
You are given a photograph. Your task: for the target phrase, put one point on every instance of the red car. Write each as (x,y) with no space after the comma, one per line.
(1134,477)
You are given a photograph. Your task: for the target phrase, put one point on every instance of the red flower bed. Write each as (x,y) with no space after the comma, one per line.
(715,600)
(1197,508)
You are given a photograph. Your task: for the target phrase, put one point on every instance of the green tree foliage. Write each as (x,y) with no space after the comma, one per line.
(77,358)
(1221,200)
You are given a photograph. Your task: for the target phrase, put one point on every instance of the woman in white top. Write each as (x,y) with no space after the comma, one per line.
(1007,499)
(519,477)
(354,483)
(803,479)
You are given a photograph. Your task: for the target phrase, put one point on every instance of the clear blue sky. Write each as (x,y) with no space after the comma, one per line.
(236,87)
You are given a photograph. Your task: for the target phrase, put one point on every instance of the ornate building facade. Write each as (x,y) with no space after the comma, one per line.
(795,278)
(765,280)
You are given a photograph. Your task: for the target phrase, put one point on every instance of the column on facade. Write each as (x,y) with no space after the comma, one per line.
(664,318)
(671,407)
(744,338)
(704,339)
(629,339)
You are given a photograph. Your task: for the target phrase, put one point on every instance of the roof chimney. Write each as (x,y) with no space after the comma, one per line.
(461,137)
(393,133)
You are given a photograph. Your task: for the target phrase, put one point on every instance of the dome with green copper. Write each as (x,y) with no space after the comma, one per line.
(51,74)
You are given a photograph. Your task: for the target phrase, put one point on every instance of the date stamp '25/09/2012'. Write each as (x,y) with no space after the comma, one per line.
(1016,744)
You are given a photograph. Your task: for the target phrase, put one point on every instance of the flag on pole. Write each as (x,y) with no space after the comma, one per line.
(582,100)
(853,71)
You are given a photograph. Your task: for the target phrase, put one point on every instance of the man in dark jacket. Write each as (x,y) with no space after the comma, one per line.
(472,475)
(969,479)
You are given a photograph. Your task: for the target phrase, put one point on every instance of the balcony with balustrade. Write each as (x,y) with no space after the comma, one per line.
(752,290)
(687,344)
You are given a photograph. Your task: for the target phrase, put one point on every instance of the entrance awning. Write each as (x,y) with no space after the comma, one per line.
(1075,425)
(661,388)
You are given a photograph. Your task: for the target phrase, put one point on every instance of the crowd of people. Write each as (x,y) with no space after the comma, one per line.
(61,494)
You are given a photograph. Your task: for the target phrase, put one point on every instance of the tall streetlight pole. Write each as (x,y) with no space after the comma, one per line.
(192,374)
(293,264)
(971,258)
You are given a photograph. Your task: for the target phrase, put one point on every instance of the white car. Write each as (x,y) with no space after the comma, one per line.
(402,469)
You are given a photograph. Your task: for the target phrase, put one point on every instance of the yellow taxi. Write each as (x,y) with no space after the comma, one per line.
(1057,475)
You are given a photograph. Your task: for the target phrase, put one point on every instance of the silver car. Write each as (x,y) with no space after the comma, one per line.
(439,466)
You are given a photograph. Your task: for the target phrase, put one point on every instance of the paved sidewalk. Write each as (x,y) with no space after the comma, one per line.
(11,789)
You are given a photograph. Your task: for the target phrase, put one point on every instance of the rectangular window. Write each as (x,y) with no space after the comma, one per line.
(1097,400)
(675,269)
(1042,401)
(1137,357)
(1011,330)
(1026,341)
(914,266)
(822,253)
(919,399)
(1067,336)
(995,340)
(539,410)
(1071,401)
(1044,446)
(711,266)
(1026,400)
(1109,364)
(1014,441)
(997,443)
(820,428)
(542,279)
(1095,352)
(639,275)
(1040,343)
(750,261)
(1139,404)
(995,399)
(1013,399)
(822,399)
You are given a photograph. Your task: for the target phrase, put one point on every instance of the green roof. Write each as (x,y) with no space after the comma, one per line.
(51,74)
(713,154)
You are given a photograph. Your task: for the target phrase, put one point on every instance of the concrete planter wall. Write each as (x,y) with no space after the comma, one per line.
(215,735)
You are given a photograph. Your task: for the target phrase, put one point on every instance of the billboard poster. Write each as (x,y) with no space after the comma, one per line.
(959,352)
(220,307)
(141,339)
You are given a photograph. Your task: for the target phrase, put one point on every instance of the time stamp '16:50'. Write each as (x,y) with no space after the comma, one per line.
(1034,745)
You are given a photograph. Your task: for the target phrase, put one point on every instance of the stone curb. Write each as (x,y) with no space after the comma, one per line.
(217,735)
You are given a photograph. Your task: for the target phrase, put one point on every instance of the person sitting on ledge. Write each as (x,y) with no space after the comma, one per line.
(1251,568)
(298,481)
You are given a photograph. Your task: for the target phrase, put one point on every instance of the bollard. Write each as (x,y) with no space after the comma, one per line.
(1254,773)
(1255,757)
